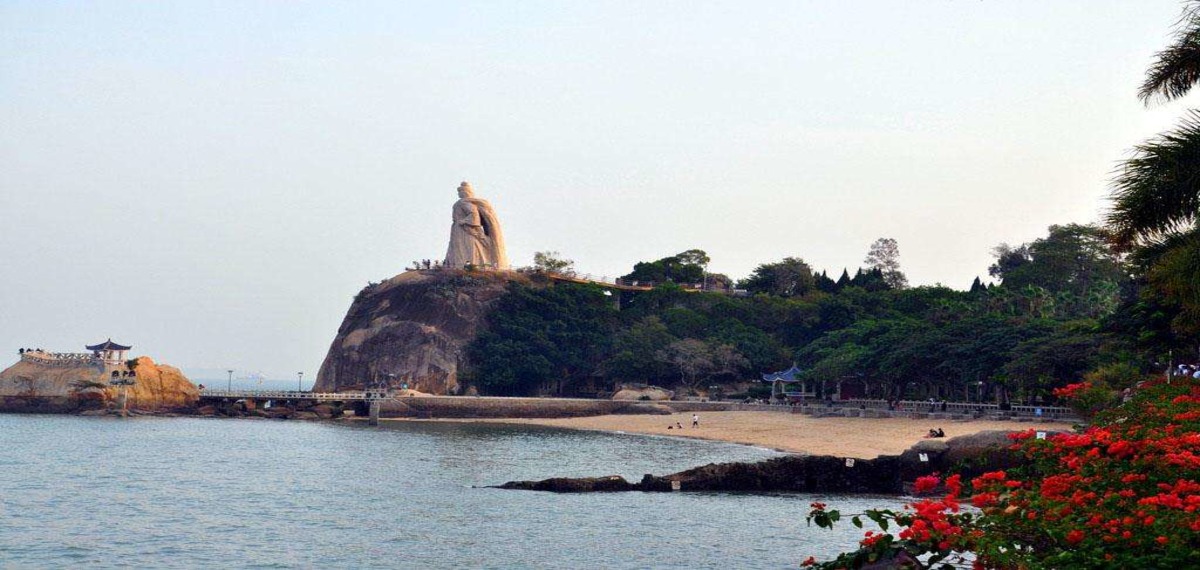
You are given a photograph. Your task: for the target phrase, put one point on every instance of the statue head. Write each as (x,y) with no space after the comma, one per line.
(464,190)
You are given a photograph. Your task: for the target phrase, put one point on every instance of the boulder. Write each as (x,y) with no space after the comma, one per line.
(652,393)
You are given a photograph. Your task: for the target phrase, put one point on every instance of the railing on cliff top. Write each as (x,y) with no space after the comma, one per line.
(604,280)
(634,285)
(64,358)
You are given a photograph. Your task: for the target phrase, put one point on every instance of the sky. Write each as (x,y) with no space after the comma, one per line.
(212,182)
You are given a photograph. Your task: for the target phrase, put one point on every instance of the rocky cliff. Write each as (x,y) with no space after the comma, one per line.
(33,386)
(411,329)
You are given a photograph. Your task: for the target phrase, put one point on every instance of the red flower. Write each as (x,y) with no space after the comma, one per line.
(1075,536)
(926,483)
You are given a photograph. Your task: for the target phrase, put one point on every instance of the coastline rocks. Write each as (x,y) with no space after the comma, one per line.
(411,329)
(30,386)
(797,473)
(609,484)
(968,455)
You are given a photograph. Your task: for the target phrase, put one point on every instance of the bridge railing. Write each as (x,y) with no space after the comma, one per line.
(284,395)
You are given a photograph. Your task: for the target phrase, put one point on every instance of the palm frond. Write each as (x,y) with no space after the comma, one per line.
(1177,68)
(1157,190)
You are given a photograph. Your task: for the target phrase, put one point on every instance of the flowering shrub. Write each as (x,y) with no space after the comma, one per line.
(1123,493)
(1089,397)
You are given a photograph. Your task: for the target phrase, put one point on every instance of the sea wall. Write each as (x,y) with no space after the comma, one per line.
(495,407)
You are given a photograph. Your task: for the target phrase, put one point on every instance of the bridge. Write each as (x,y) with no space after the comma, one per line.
(373,398)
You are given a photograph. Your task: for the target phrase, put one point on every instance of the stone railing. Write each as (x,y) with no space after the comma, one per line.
(924,406)
(62,358)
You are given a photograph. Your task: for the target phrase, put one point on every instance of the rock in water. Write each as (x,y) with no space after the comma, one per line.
(414,327)
(30,386)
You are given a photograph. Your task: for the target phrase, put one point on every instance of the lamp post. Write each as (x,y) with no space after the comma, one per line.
(299,380)
(229,386)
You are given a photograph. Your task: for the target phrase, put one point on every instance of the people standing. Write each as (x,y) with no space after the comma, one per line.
(695,420)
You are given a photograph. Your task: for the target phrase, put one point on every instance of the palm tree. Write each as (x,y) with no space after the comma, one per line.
(1156,192)
(1177,68)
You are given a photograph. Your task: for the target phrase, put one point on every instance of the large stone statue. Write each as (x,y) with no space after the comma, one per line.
(475,237)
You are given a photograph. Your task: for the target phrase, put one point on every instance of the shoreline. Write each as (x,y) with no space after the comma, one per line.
(861,438)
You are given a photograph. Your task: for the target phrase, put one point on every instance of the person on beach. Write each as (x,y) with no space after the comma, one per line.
(678,425)
(695,420)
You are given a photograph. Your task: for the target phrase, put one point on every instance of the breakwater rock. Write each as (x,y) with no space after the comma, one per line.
(56,387)
(969,455)
(411,329)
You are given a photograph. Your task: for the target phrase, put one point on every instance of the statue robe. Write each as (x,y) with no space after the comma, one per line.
(475,236)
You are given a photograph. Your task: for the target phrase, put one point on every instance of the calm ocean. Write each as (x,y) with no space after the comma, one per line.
(204,493)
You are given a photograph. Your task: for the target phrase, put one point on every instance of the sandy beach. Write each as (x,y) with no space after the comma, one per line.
(796,433)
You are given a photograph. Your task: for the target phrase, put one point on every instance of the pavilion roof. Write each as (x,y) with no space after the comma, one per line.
(787,376)
(108,345)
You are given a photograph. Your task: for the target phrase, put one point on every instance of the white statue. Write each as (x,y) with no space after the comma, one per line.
(475,237)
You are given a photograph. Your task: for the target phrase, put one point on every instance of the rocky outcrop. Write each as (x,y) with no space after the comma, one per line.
(411,329)
(795,473)
(643,393)
(968,455)
(32,386)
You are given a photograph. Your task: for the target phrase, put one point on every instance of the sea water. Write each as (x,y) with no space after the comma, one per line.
(201,492)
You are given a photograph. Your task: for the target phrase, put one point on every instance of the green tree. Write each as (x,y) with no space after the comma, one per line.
(686,268)
(553,262)
(541,340)
(634,355)
(1072,257)
(791,277)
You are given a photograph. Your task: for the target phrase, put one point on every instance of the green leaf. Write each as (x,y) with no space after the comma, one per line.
(857,521)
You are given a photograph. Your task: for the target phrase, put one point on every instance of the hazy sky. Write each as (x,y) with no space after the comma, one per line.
(214,181)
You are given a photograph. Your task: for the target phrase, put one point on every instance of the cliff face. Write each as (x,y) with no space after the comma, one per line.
(414,327)
(32,386)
